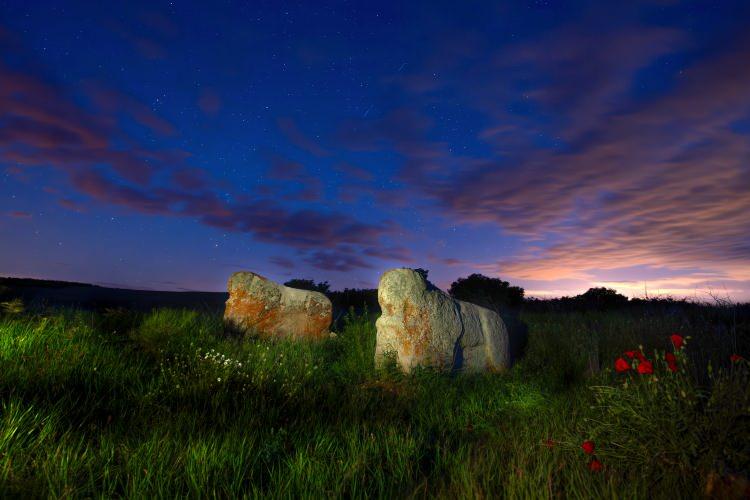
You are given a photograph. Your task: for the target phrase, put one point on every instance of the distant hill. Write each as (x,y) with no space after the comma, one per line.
(43,293)
(31,282)
(40,293)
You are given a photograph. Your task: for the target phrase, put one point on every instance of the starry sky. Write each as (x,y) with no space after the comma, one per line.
(557,145)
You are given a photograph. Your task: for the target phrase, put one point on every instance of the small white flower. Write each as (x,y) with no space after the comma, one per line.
(218,379)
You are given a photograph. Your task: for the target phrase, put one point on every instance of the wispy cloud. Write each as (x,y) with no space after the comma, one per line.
(43,127)
(619,179)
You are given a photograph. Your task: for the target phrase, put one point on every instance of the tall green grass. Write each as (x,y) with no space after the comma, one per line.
(122,404)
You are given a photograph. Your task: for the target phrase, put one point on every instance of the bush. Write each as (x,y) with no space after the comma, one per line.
(601,299)
(303,284)
(492,293)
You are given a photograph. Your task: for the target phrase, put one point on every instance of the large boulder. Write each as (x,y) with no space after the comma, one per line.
(425,326)
(259,306)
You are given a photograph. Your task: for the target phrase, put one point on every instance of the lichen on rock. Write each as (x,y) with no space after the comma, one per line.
(424,326)
(259,306)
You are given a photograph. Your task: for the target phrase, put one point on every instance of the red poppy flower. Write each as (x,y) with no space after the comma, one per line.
(621,365)
(640,356)
(630,354)
(734,358)
(595,465)
(645,367)
(588,447)
(670,358)
(672,367)
(677,341)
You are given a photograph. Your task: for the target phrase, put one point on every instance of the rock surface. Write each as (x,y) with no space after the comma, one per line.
(259,306)
(425,326)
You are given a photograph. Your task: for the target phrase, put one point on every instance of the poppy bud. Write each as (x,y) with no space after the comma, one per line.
(621,365)
(677,341)
(595,465)
(645,367)
(588,447)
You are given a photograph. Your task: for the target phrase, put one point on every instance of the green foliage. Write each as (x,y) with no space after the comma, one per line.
(303,284)
(493,293)
(668,427)
(124,404)
(175,330)
(649,421)
(357,298)
(14,306)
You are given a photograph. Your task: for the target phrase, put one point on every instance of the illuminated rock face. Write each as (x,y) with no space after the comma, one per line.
(259,306)
(424,326)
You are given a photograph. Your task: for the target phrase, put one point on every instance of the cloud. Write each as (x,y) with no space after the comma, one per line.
(191,178)
(19,214)
(117,103)
(292,132)
(43,127)
(661,179)
(394,253)
(98,186)
(301,229)
(297,182)
(265,220)
(72,205)
(282,262)
(354,172)
(147,34)
(209,102)
(448,261)
(333,260)
(665,183)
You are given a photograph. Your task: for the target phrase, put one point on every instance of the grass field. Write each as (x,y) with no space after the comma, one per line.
(164,405)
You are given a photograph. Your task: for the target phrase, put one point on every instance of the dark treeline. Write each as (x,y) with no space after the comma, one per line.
(506,298)
(493,293)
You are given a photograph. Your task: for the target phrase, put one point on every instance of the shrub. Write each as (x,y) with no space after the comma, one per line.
(601,299)
(489,292)
(303,284)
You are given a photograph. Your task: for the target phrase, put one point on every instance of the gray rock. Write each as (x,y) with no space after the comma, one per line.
(422,325)
(262,307)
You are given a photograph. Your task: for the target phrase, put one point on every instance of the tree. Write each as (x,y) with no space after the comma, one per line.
(601,298)
(423,272)
(303,284)
(492,293)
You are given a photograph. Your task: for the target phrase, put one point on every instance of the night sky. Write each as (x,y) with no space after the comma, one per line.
(557,145)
